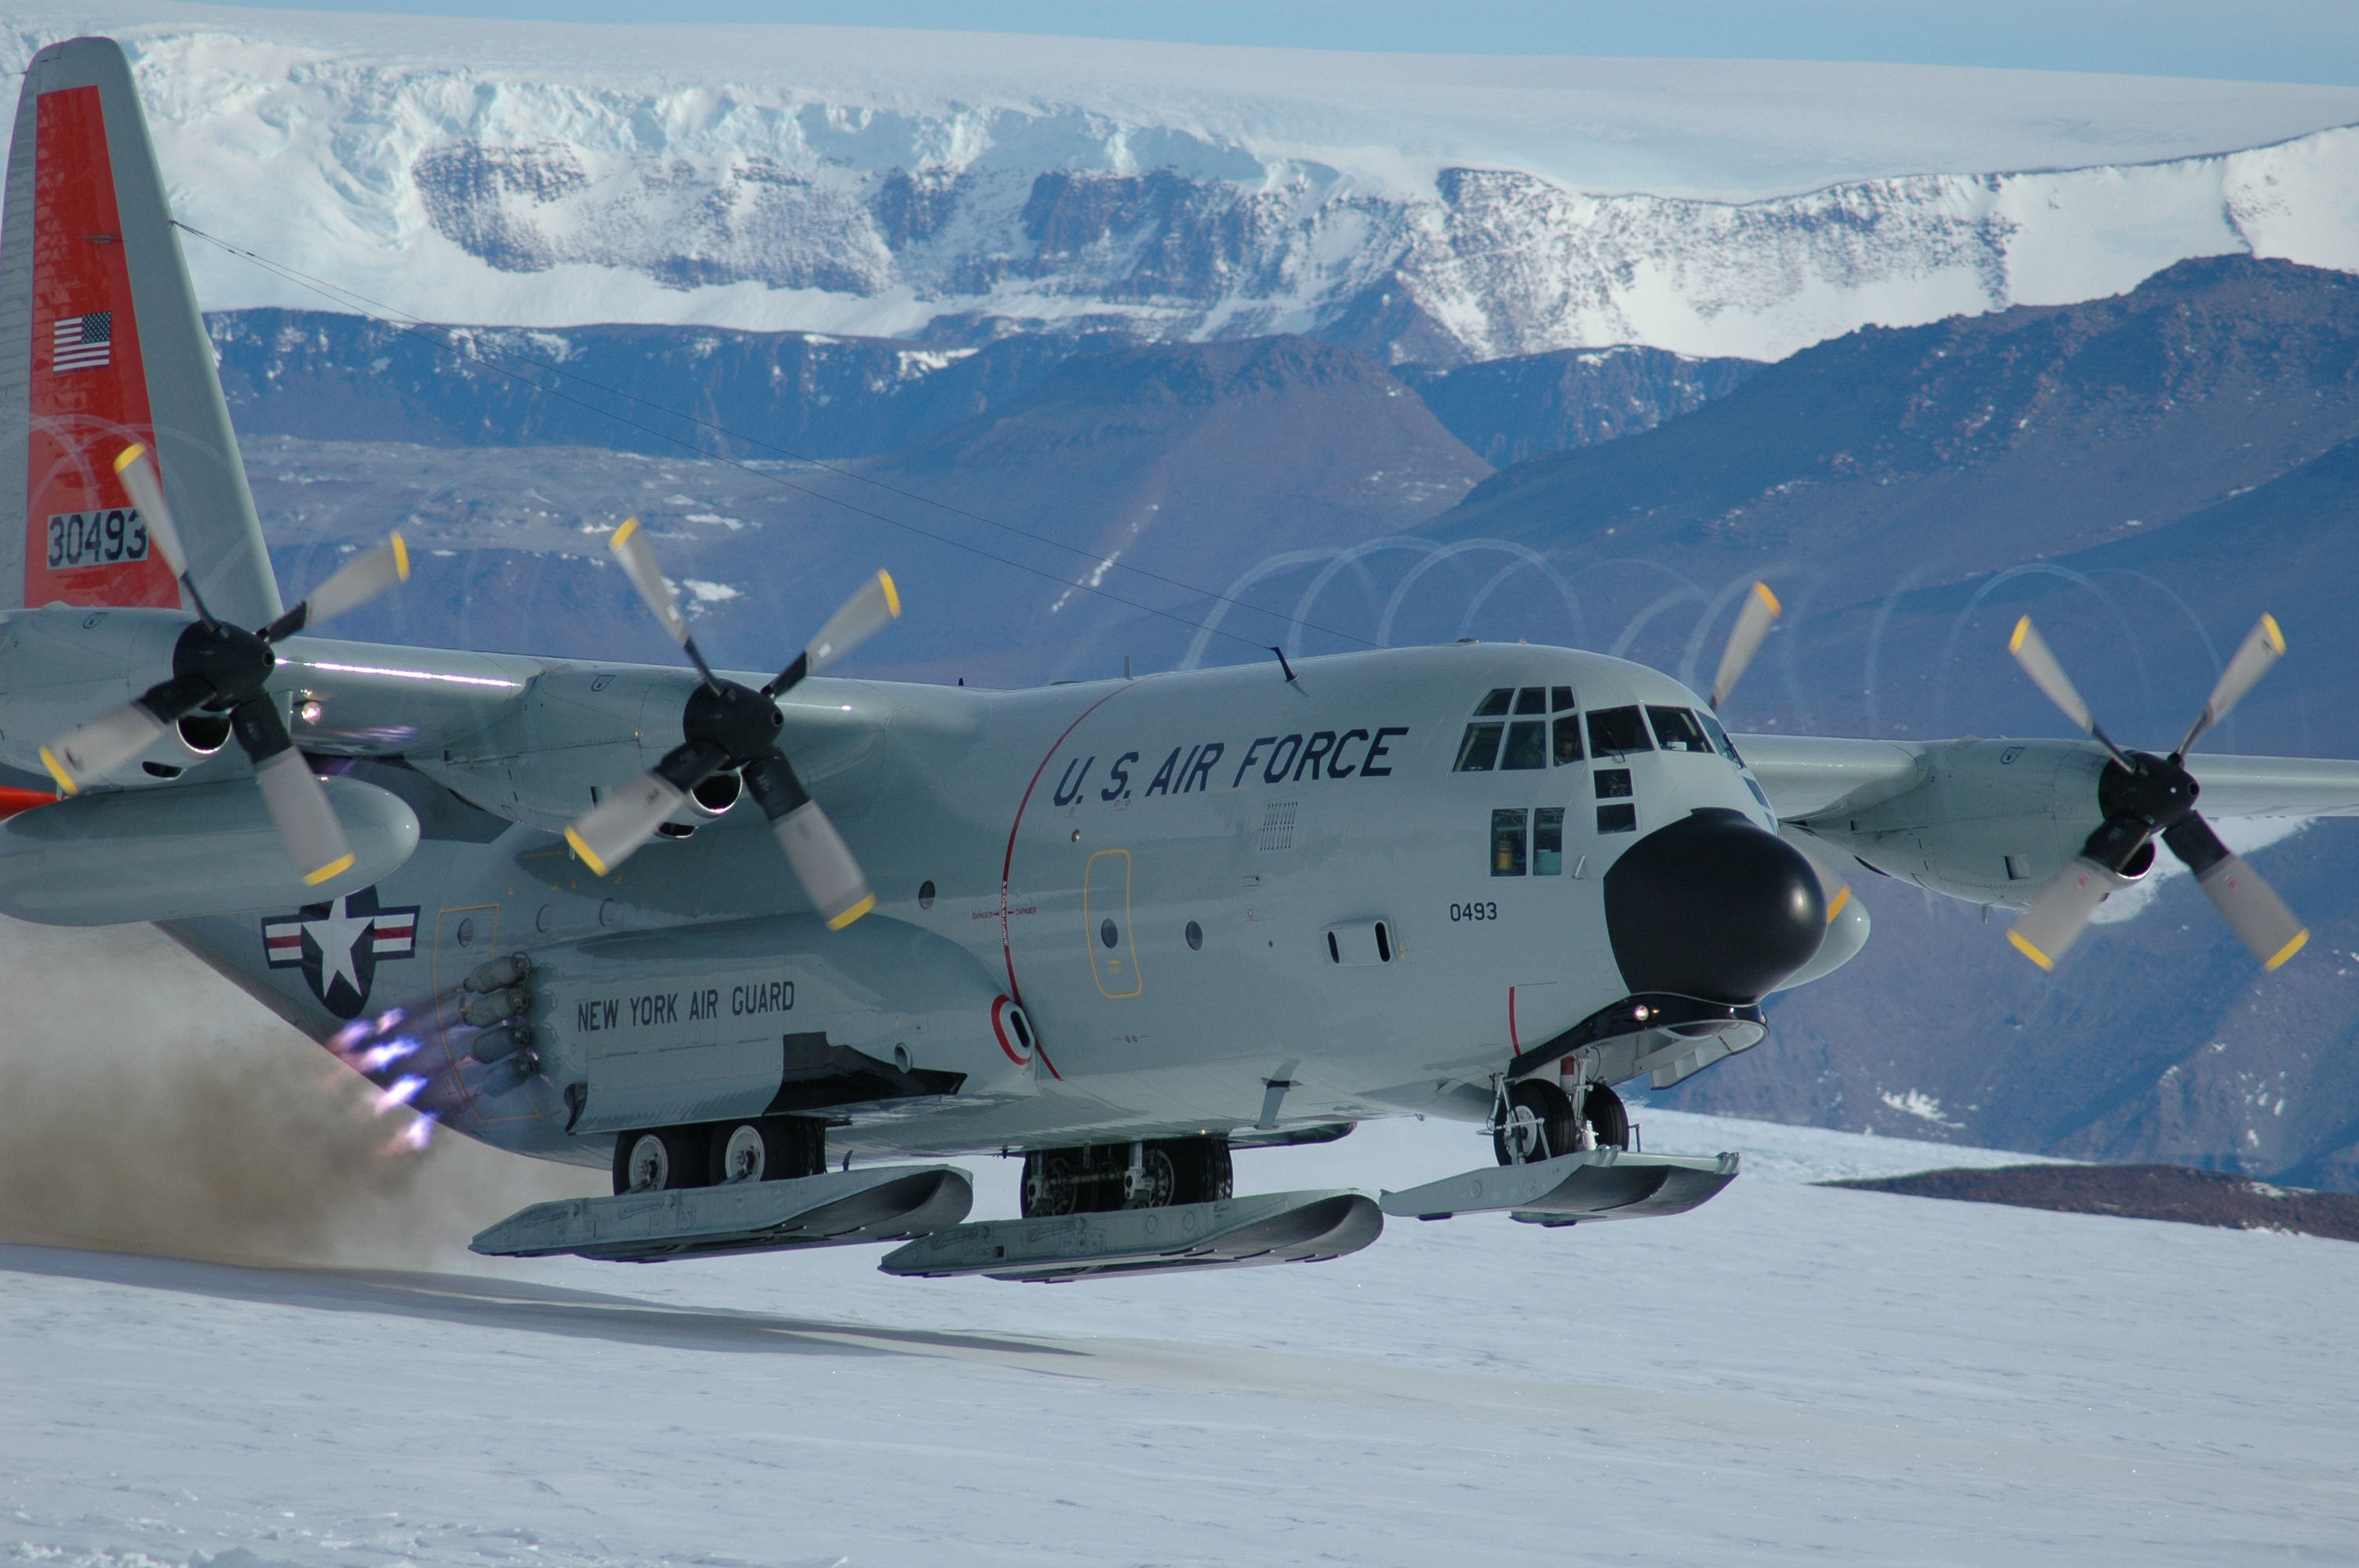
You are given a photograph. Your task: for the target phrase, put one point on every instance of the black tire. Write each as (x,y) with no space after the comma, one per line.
(1604,1110)
(1539,1125)
(1160,1178)
(661,1159)
(777,1148)
(1205,1172)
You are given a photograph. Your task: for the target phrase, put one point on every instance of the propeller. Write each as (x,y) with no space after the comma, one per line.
(731,725)
(1753,622)
(2145,797)
(223,668)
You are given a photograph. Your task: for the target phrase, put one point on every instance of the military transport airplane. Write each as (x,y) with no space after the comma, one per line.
(1122,929)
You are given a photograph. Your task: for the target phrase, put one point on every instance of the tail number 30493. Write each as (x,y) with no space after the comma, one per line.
(1480,910)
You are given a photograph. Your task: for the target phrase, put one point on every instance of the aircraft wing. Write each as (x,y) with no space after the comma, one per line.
(1805,775)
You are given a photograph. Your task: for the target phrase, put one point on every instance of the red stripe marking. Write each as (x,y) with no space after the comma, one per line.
(1514,1043)
(1007,863)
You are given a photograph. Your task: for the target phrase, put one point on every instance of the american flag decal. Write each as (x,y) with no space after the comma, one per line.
(81,342)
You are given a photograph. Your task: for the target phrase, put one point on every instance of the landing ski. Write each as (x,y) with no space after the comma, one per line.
(838,1208)
(1598,1184)
(1233,1233)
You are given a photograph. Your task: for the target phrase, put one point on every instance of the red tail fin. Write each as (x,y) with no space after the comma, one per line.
(101,345)
(88,395)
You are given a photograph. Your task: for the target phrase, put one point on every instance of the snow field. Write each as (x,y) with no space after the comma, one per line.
(1789,1370)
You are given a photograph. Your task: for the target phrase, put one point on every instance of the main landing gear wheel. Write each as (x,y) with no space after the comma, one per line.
(771,1148)
(1538,1124)
(660,1160)
(1101,1178)
(1602,1110)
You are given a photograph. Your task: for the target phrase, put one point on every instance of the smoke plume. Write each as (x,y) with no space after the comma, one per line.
(147,1104)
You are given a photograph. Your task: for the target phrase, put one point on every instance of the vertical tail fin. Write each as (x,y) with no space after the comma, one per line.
(101,345)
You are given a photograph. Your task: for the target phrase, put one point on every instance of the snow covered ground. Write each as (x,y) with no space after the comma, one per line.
(1791,1371)
(1435,208)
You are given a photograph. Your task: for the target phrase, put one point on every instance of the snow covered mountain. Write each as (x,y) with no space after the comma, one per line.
(1436,210)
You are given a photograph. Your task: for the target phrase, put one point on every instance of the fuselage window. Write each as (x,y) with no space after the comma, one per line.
(1678,730)
(1559,698)
(1526,745)
(1720,738)
(1477,752)
(1496,705)
(1507,843)
(1548,841)
(1567,739)
(1617,819)
(1612,783)
(1532,700)
(1617,732)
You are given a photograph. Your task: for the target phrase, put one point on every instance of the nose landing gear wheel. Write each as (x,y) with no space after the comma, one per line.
(1538,1124)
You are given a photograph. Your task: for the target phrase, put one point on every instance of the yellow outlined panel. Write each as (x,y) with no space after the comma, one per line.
(1105,913)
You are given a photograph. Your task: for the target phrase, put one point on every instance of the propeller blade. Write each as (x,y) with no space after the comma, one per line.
(352,585)
(613,830)
(2055,919)
(833,880)
(2031,651)
(299,806)
(93,749)
(2250,907)
(1753,624)
(136,467)
(2263,647)
(638,557)
(867,612)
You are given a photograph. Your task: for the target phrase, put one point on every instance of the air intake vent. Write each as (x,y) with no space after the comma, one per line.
(1277,825)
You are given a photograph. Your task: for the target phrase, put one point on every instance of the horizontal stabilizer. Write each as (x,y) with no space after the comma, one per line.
(1601,1183)
(836,1208)
(1233,1233)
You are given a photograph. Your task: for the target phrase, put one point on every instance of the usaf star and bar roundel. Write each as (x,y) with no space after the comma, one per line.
(338,946)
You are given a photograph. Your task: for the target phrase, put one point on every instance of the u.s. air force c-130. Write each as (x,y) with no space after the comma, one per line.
(716,931)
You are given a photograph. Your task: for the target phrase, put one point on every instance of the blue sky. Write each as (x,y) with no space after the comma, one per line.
(2251,41)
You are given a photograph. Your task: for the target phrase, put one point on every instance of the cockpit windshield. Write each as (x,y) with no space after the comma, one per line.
(1675,730)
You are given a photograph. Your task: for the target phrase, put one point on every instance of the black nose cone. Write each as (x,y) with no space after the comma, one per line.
(1712,906)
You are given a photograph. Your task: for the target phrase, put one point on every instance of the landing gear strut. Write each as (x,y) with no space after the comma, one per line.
(1102,1177)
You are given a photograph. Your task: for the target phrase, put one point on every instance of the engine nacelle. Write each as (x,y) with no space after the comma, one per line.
(1988,821)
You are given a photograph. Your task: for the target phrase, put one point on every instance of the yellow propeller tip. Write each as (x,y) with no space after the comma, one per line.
(2030,952)
(1842,898)
(630,527)
(400,557)
(892,594)
(854,913)
(58,772)
(333,869)
(1769,598)
(2022,630)
(582,848)
(2301,940)
(129,455)
(2277,638)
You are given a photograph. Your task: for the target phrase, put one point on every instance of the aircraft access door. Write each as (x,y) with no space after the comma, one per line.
(1105,921)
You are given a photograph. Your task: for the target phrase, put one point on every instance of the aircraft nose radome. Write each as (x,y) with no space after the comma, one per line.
(1712,907)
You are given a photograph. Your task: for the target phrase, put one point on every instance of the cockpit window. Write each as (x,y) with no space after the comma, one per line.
(1526,745)
(1559,698)
(1532,700)
(1678,730)
(1617,732)
(1719,739)
(1496,703)
(1479,752)
(1567,739)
